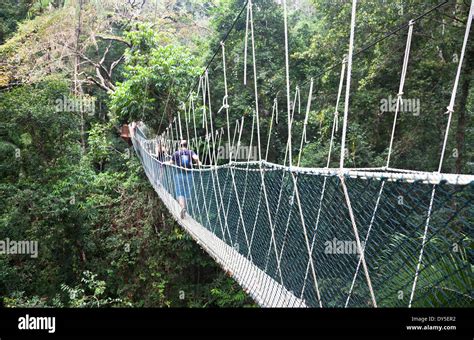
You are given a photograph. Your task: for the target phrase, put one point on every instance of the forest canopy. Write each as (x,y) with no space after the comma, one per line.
(72,72)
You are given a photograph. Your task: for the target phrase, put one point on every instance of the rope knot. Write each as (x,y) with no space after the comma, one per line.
(225,104)
(275,109)
(449,109)
(400,98)
(336,121)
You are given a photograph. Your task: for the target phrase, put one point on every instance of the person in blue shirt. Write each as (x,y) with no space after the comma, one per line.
(184,159)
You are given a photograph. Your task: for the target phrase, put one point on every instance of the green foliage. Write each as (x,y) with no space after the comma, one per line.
(157,77)
(318,40)
(100,143)
(229,294)
(11,11)
(93,211)
(376,75)
(90,213)
(17,299)
(90,293)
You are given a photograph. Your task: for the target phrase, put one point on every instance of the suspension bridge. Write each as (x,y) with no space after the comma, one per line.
(295,236)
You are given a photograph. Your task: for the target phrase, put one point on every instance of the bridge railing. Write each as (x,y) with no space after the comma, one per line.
(300,233)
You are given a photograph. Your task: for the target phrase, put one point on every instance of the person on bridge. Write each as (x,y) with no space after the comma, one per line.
(184,159)
(160,151)
(161,155)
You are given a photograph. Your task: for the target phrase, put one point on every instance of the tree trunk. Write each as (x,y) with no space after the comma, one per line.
(77,85)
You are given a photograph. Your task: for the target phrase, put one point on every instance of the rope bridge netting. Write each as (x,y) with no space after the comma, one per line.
(319,237)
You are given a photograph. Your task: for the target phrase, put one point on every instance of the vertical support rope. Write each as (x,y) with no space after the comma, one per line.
(254,61)
(450,108)
(359,246)
(225,105)
(219,199)
(372,220)
(303,135)
(191,107)
(305,123)
(289,150)
(257,115)
(450,111)
(210,140)
(274,113)
(423,244)
(226,94)
(239,129)
(323,191)
(296,193)
(287,70)
(249,6)
(248,162)
(204,107)
(335,124)
(206,208)
(348,84)
(343,150)
(399,102)
(180,126)
(220,207)
(401,87)
(284,172)
(305,234)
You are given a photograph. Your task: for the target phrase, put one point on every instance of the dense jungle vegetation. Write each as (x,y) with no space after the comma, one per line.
(69,181)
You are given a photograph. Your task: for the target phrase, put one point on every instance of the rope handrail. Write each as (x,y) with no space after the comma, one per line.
(373,173)
(244,253)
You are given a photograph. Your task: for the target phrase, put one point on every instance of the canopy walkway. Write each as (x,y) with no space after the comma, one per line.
(319,237)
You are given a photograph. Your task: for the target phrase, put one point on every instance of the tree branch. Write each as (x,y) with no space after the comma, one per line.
(113,38)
